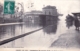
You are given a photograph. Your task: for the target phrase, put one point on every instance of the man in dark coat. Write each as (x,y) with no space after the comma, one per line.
(76,23)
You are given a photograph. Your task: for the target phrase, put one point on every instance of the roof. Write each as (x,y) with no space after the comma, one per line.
(49,7)
(78,13)
(34,12)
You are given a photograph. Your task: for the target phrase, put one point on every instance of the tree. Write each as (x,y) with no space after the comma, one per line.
(19,11)
(22,9)
(1,8)
(69,21)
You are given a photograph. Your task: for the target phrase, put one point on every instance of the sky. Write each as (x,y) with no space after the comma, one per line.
(63,6)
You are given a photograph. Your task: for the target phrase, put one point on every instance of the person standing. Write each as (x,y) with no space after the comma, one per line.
(77,23)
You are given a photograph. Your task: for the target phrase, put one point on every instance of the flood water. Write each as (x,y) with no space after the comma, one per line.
(42,38)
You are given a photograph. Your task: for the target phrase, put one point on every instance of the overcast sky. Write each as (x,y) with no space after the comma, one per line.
(63,6)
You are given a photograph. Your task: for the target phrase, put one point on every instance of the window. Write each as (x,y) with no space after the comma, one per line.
(49,13)
(45,12)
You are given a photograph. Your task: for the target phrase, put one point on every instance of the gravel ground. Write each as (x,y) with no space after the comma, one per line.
(71,39)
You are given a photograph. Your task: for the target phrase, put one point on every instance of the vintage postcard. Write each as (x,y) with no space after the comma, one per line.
(39,25)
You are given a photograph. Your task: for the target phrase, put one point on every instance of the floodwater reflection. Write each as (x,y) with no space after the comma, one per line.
(48,23)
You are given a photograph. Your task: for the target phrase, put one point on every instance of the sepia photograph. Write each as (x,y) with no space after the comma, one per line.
(40,24)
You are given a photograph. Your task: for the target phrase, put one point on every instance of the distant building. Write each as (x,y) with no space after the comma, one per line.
(50,10)
(33,15)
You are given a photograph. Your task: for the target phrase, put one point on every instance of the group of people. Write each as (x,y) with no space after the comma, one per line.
(73,20)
